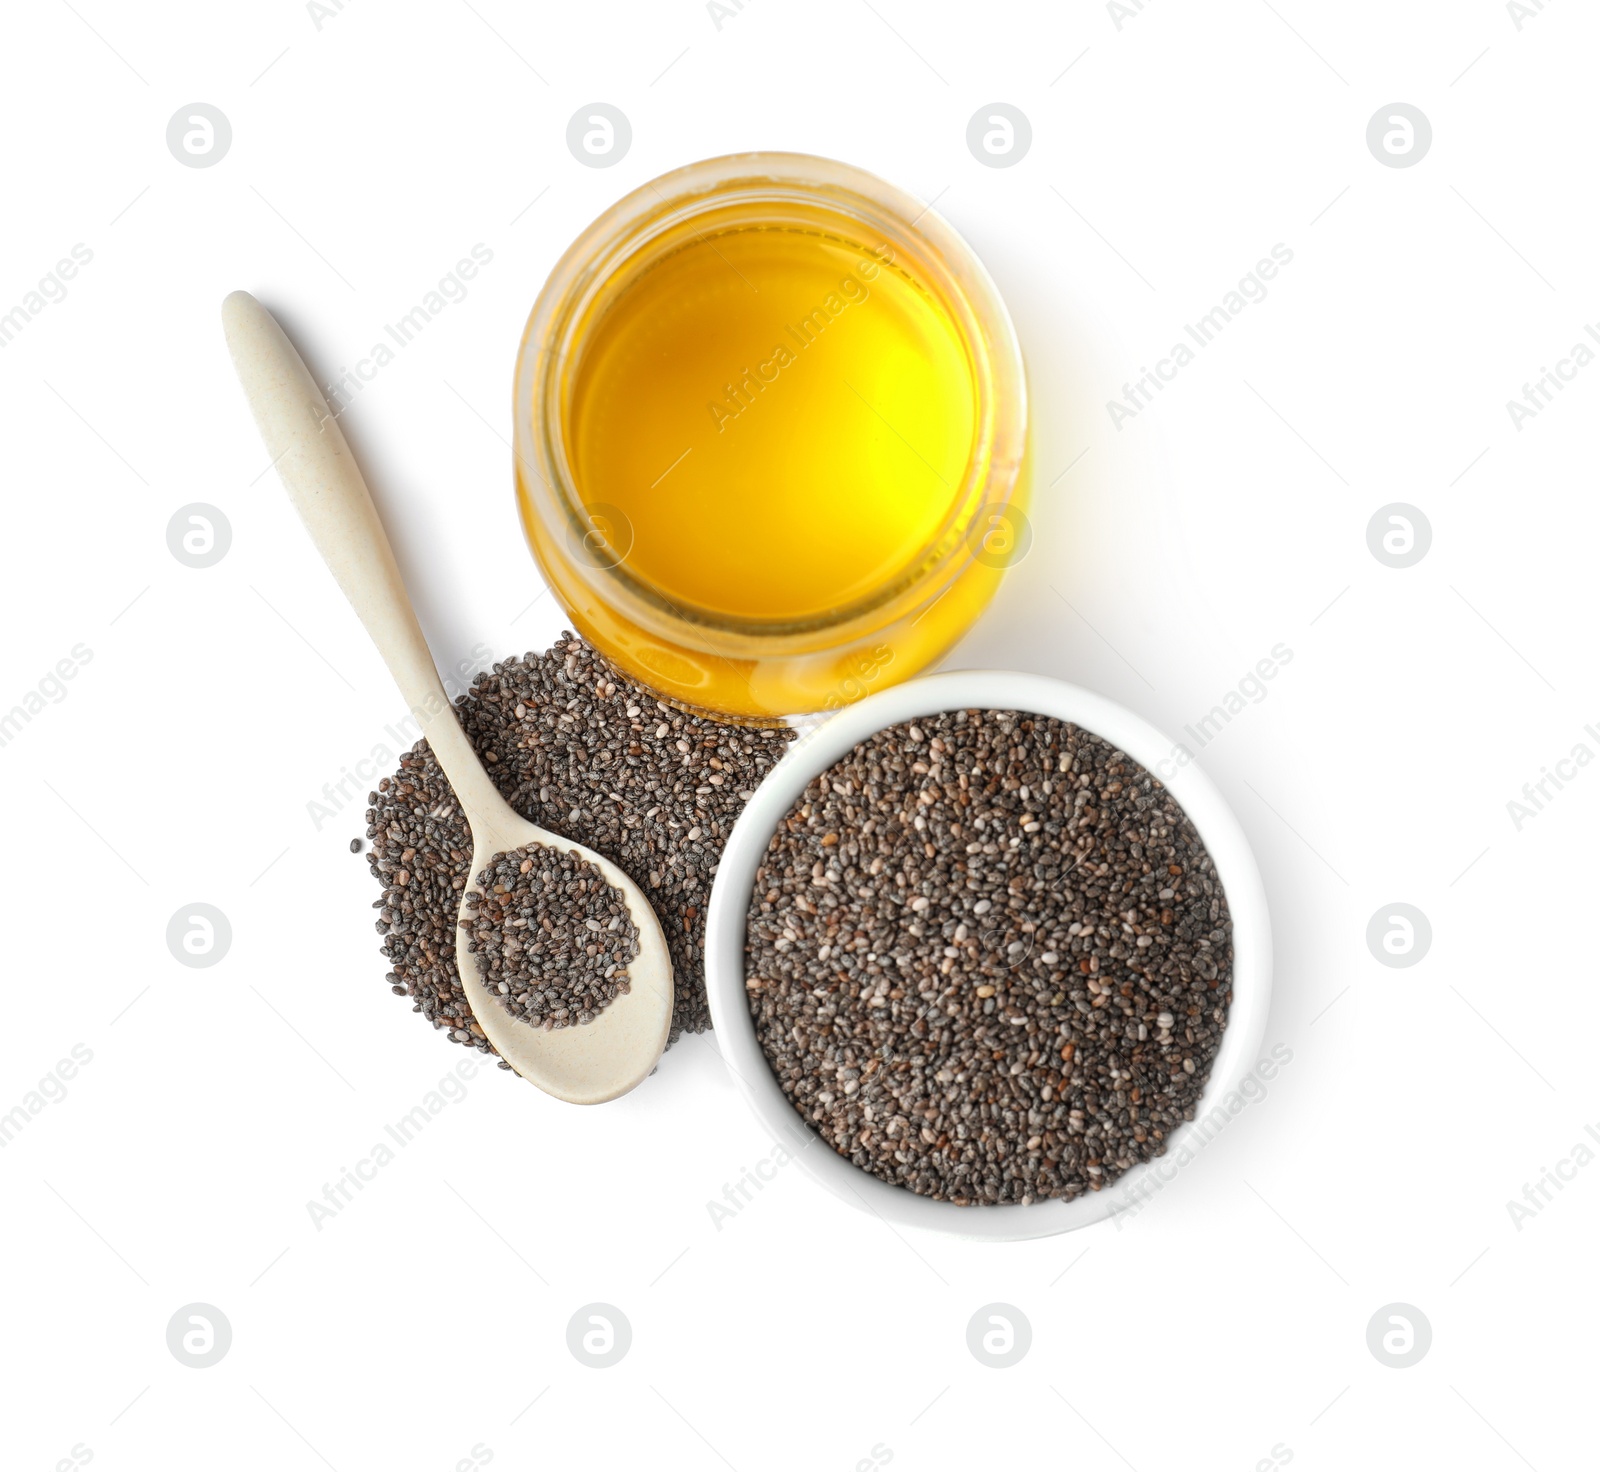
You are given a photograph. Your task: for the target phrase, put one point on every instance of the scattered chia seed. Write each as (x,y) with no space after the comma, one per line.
(989,959)
(355,845)
(578,748)
(553,937)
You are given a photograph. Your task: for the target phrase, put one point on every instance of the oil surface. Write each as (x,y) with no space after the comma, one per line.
(782,417)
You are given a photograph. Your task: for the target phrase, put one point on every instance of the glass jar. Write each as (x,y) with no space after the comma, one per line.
(763,594)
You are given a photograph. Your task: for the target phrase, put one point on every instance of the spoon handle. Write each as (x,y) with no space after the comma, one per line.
(328,490)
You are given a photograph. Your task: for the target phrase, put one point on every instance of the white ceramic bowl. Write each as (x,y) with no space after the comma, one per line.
(818,750)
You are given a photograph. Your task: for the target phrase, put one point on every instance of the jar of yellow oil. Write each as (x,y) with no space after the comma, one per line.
(770,429)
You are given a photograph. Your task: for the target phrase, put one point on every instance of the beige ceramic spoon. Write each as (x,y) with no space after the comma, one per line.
(586,1064)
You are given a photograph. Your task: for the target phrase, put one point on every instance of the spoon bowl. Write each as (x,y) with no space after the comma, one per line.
(583,1064)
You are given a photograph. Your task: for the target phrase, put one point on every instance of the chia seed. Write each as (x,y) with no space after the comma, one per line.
(577,747)
(553,938)
(989,959)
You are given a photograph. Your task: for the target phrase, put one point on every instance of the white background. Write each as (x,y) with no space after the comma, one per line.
(1168,156)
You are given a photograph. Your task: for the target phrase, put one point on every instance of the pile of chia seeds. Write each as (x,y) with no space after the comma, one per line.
(553,939)
(583,751)
(989,959)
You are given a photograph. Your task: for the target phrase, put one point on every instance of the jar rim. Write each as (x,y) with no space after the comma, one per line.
(579,278)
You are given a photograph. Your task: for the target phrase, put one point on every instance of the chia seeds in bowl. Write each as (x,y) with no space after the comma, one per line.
(989,958)
(987,939)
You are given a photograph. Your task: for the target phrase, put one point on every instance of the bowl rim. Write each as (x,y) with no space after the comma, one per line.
(825,744)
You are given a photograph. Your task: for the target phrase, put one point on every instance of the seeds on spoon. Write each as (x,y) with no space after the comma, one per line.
(553,939)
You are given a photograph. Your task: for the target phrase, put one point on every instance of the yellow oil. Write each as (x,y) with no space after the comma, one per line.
(781,415)
(776,433)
